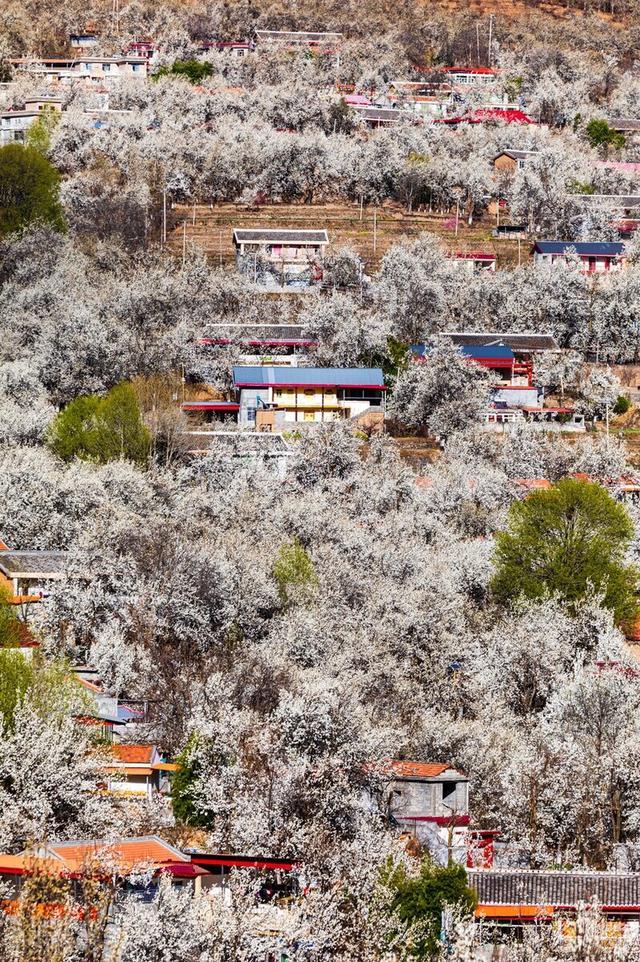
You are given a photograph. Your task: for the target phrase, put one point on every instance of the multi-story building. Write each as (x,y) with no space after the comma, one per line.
(309,394)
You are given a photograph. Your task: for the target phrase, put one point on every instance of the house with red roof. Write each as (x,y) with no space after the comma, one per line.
(139,771)
(115,861)
(470,76)
(474,261)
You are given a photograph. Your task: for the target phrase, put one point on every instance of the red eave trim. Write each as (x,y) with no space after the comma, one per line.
(269,342)
(491,361)
(310,387)
(441,820)
(239,862)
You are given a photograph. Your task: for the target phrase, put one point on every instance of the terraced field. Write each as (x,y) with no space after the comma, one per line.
(211,229)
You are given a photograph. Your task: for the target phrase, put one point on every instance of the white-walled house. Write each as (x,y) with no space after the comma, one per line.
(139,770)
(309,394)
(595,257)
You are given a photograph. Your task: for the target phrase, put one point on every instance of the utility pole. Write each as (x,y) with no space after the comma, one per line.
(375,229)
(490,38)
(607,421)
(164,215)
(184,243)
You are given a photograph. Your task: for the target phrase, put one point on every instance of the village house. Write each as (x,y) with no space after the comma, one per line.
(119,860)
(595,258)
(91,70)
(514,396)
(282,258)
(375,117)
(420,97)
(428,801)
(273,396)
(15,124)
(475,261)
(622,209)
(139,771)
(261,343)
(26,576)
(493,114)
(510,161)
(509,899)
(470,76)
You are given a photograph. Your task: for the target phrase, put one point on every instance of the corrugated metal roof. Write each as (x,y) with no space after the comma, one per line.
(487,350)
(279,236)
(523,887)
(582,248)
(527,341)
(516,154)
(284,376)
(45,564)
(378,114)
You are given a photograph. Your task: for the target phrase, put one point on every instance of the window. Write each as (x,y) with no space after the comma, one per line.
(309,416)
(106,67)
(449,795)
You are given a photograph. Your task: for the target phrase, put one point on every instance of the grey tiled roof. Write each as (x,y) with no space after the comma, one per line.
(278,236)
(46,564)
(526,887)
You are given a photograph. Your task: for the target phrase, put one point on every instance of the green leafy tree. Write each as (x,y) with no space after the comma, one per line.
(294,572)
(16,677)
(182,786)
(101,429)
(601,135)
(419,900)
(570,540)
(622,404)
(9,624)
(29,189)
(51,686)
(194,70)
(39,133)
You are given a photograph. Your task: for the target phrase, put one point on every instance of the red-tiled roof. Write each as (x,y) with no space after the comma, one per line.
(126,852)
(406,769)
(133,754)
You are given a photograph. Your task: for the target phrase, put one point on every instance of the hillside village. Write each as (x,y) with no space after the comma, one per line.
(319,482)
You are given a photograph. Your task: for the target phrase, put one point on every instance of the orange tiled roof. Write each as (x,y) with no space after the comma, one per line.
(406,769)
(125,770)
(126,852)
(133,754)
(533,484)
(11,863)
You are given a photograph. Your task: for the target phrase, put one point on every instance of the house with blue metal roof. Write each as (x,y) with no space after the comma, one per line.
(595,257)
(309,394)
